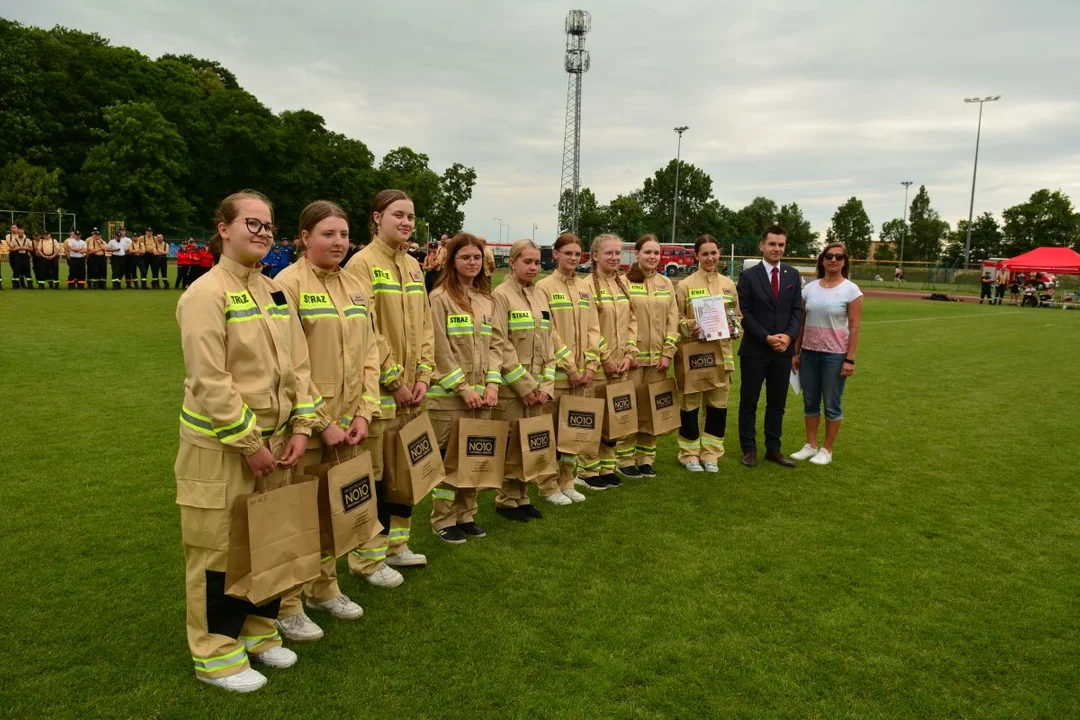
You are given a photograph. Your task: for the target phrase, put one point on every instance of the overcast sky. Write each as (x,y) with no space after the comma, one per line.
(794,102)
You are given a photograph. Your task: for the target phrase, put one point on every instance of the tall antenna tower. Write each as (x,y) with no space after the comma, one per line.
(578,24)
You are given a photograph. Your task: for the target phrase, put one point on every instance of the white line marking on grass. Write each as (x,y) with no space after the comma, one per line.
(941,317)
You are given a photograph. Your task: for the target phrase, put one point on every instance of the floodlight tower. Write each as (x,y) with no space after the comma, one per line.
(578,24)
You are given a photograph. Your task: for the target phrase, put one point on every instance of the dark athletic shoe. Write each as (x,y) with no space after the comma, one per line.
(451,535)
(531,512)
(630,472)
(610,480)
(646,471)
(513,513)
(472,529)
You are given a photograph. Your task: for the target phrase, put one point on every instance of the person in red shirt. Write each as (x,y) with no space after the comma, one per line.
(185,261)
(202,262)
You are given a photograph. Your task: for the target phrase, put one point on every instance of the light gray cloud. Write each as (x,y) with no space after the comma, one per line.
(806,102)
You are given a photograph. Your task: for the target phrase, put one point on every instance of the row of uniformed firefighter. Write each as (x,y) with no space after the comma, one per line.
(266,392)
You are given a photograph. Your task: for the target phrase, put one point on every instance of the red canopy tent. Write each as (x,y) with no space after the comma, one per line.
(1061,260)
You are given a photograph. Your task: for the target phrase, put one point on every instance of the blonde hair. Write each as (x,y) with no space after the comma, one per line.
(521,246)
(595,270)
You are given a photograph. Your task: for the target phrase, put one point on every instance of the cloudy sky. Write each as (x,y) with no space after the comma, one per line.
(797,101)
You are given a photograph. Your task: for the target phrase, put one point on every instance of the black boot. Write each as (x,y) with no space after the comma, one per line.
(166,284)
(154,284)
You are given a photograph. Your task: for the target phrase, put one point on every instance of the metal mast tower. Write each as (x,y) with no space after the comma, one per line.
(578,23)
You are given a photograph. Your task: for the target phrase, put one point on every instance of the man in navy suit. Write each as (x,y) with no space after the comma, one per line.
(770,296)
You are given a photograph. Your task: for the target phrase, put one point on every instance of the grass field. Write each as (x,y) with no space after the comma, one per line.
(933,570)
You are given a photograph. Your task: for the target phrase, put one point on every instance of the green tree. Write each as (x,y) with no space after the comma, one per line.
(986,237)
(455,189)
(851,226)
(926,229)
(885,252)
(138,170)
(657,197)
(626,217)
(408,170)
(592,220)
(27,187)
(1047,218)
(802,240)
(755,217)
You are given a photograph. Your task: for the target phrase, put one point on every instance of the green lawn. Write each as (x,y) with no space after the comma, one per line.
(933,570)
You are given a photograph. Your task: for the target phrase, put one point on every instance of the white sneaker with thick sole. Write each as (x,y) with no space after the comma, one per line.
(340,607)
(712,467)
(574,495)
(694,466)
(276,657)
(557,498)
(385,577)
(808,451)
(299,628)
(406,558)
(242,682)
(823,457)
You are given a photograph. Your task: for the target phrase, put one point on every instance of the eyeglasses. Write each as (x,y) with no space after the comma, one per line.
(256,226)
(834,256)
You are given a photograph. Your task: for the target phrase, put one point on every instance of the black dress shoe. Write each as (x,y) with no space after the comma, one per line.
(749,459)
(778,457)
(512,513)
(530,512)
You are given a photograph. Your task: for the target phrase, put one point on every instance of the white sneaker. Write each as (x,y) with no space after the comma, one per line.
(557,498)
(340,607)
(242,682)
(823,457)
(299,628)
(406,558)
(574,495)
(277,657)
(712,467)
(808,451)
(694,466)
(385,577)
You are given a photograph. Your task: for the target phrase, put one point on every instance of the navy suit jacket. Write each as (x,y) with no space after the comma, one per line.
(764,316)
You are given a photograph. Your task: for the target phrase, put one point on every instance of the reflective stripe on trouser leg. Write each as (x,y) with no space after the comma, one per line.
(712,439)
(367,558)
(442,507)
(624,451)
(689,435)
(645,449)
(259,635)
(399,534)
(567,471)
(607,457)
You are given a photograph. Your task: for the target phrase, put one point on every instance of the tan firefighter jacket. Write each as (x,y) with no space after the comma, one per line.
(618,324)
(402,315)
(574,321)
(465,357)
(246,362)
(657,317)
(341,338)
(95,246)
(706,284)
(525,337)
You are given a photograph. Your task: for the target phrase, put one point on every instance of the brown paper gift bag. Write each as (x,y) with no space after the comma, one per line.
(476,454)
(658,407)
(699,366)
(412,464)
(535,443)
(274,541)
(347,502)
(581,422)
(620,410)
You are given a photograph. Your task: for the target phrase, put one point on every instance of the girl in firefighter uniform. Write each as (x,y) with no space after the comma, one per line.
(344,360)
(575,323)
(247,390)
(524,338)
(657,315)
(468,372)
(403,320)
(700,450)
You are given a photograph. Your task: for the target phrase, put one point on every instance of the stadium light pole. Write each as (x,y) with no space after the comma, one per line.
(500,227)
(678,154)
(903,236)
(974,172)
(534,232)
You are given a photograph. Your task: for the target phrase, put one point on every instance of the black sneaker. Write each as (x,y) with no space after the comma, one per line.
(595,483)
(610,480)
(471,528)
(531,512)
(630,472)
(646,471)
(512,513)
(451,535)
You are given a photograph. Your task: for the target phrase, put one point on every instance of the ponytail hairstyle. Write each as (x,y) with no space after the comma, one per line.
(315,213)
(595,270)
(228,211)
(383,200)
(567,239)
(636,274)
(701,241)
(521,246)
(449,280)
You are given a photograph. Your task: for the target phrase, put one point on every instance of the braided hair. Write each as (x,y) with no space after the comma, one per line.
(595,271)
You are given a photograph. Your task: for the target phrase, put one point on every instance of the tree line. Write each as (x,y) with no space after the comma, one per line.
(1047,218)
(110,134)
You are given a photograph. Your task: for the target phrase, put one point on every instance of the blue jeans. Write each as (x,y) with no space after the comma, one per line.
(820,376)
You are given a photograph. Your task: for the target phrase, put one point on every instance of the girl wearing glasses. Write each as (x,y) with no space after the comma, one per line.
(341,342)
(700,450)
(825,350)
(248,411)
(467,372)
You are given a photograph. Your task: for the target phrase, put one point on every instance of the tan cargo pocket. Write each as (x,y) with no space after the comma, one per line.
(257,400)
(326,389)
(202,492)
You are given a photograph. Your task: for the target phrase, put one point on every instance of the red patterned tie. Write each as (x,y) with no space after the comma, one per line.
(776,283)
